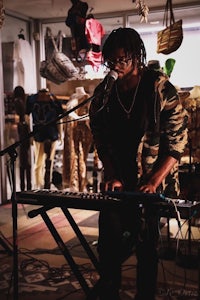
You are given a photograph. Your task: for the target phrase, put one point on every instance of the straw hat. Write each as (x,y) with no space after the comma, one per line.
(195,92)
(183,94)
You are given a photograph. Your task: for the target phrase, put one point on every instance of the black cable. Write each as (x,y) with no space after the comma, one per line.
(73,120)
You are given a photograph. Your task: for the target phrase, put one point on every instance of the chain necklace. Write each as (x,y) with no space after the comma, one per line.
(128,111)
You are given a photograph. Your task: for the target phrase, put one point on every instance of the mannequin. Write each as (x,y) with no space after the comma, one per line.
(44,108)
(23,131)
(77,143)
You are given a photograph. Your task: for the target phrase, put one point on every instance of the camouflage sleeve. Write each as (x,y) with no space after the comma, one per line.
(173,122)
(171,137)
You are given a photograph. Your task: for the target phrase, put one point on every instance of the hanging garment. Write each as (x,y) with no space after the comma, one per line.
(75,20)
(94,32)
(77,143)
(24,72)
(95,59)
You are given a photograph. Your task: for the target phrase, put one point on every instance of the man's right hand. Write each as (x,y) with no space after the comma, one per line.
(112,185)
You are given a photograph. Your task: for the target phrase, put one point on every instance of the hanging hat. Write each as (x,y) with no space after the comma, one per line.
(154,65)
(169,66)
(195,92)
(183,94)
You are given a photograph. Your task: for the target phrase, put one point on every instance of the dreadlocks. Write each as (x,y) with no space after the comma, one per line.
(129,40)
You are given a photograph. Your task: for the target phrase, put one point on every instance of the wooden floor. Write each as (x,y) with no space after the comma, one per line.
(44,272)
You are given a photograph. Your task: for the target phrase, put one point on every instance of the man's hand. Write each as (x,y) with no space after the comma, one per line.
(148,188)
(158,175)
(113,185)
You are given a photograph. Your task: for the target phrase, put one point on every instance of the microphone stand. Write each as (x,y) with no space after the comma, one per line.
(11,151)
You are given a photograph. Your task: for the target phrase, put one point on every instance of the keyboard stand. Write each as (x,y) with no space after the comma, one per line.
(186,209)
(62,246)
(5,246)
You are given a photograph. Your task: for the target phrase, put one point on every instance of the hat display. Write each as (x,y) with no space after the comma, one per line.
(195,92)
(183,94)
(169,66)
(154,65)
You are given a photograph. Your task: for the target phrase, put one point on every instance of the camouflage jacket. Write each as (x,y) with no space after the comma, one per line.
(157,128)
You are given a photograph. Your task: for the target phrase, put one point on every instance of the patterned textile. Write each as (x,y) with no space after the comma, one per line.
(77,144)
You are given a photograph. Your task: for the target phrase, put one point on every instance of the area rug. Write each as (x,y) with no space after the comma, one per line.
(90,222)
(44,273)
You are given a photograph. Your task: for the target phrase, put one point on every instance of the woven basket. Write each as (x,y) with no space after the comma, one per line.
(170,38)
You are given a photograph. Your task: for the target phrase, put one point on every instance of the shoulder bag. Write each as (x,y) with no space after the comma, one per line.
(170,38)
(57,67)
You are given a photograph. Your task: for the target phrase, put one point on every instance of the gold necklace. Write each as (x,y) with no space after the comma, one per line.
(128,111)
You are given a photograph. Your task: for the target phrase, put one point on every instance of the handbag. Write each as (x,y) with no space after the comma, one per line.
(170,38)
(57,67)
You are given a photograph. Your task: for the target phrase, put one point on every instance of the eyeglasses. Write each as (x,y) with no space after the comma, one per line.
(122,61)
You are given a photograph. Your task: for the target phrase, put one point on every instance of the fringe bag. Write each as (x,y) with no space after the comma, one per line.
(170,38)
(57,67)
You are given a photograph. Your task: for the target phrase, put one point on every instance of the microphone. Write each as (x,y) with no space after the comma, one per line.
(111,78)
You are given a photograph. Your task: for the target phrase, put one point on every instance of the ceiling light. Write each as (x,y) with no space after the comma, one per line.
(154,22)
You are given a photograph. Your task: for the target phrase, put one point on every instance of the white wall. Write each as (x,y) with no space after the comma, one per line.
(12,27)
(187,67)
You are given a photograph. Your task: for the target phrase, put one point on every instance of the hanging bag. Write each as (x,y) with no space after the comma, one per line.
(170,38)
(57,67)
(61,60)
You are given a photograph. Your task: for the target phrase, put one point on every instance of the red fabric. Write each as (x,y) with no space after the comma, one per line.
(95,59)
(94,31)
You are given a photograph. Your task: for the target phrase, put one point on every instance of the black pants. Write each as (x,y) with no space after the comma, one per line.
(119,231)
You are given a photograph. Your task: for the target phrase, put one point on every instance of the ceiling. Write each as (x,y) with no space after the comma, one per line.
(45,9)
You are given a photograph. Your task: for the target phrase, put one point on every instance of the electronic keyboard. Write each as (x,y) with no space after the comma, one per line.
(98,201)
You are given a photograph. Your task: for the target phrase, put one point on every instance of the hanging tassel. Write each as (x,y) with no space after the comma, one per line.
(143,11)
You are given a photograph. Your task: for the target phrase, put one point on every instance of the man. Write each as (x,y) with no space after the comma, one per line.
(140,131)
